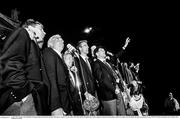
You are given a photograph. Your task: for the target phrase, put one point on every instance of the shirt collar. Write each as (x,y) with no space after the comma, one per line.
(84,57)
(58,52)
(102,60)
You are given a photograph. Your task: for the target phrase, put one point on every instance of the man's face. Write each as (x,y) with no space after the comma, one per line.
(101,53)
(84,48)
(59,44)
(39,32)
(39,35)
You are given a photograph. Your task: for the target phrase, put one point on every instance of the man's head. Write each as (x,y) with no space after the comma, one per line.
(56,42)
(83,47)
(100,52)
(39,35)
(36,31)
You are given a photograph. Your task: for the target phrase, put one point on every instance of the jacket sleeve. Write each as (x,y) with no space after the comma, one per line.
(14,84)
(120,53)
(14,58)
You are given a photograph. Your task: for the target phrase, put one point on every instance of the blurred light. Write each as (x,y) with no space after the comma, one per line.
(87,30)
(78,83)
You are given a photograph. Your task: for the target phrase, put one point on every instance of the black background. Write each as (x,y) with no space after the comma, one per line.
(152,27)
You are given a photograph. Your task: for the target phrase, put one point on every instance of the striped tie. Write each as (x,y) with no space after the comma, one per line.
(88,64)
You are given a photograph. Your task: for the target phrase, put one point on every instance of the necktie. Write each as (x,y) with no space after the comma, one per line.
(88,63)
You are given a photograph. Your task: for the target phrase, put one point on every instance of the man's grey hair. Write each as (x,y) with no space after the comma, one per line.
(52,39)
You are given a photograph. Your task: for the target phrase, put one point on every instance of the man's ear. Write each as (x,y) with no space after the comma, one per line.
(79,48)
(96,54)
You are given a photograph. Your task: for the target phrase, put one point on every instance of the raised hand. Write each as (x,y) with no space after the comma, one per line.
(126,43)
(92,50)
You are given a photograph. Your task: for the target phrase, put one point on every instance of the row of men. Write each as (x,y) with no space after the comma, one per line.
(52,82)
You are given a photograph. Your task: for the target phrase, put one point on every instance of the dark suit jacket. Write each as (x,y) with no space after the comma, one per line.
(14,84)
(36,74)
(20,66)
(106,81)
(88,77)
(59,84)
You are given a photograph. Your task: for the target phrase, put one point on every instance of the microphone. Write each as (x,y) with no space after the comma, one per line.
(71,48)
(109,53)
(107,57)
(93,47)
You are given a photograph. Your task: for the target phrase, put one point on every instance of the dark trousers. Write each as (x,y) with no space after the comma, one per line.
(109,107)
(113,107)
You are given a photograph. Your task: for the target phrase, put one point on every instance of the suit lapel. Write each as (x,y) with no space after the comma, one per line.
(106,68)
(86,66)
(60,60)
(54,52)
(12,38)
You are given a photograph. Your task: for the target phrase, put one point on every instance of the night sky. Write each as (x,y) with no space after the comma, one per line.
(151,30)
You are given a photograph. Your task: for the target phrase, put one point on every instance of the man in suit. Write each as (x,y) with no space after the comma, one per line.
(84,66)
(108,87)
(22,88)
(171,105)
(58,76)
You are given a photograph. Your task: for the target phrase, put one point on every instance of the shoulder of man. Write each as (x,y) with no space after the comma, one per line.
(12,37)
